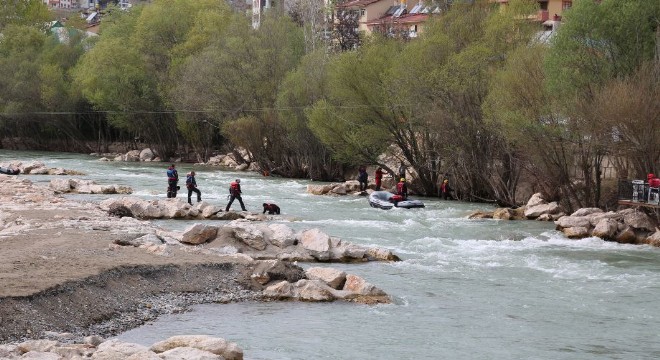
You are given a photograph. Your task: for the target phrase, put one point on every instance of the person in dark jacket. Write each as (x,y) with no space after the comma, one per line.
(191,184)
(271,208)
(172,181)
(235,193)
(363,178)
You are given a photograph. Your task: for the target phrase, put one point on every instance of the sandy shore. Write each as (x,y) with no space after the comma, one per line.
(60,273)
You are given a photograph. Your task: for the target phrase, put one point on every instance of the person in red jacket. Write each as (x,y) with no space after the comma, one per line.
(378,177)
(446,190)
(402,189)
(271,208)
(235,193)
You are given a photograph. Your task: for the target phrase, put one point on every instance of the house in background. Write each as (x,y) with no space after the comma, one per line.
(403,20)
(365,11)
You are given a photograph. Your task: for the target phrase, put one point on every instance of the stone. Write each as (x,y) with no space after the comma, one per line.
(533,212)
(536,199)
(93,340)
(316,242)
(586,211)
(481,215)
(213,345)
(573,221)
(639,220)
(332,277)
(576,232)
(199,234)
(360,286)
(248,234)
(114,349)
(281,236)
(146,155)
(38,355)
(627,236)
(339,190)
(37,346)
(605,229)
(144,355)
(61,185)
(653,239)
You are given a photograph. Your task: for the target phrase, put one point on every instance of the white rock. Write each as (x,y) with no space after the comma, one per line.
(114,349)
(333,277)
(212,345)
(199,234)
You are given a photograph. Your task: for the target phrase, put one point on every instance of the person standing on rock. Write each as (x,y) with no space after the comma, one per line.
(402,189)
(191,184)
(379,177)
(172,181)
(363,178)
(235,193)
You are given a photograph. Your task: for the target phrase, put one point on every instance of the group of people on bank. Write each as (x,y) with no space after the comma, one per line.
(401,187)
(191,184)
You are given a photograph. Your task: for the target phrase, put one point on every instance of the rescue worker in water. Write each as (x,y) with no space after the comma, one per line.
(235,193)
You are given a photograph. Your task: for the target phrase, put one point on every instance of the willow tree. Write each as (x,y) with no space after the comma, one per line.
(306,155)
(599,43)
(236,79)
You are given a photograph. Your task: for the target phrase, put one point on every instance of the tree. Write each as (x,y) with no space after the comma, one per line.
(33,13)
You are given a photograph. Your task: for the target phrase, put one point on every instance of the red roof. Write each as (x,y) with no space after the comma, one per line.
(405,19)
(356,3)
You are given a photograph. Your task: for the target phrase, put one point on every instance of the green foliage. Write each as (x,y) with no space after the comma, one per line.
(598,42)
(33,13)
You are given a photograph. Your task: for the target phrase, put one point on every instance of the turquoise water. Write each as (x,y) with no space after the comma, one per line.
(466,289)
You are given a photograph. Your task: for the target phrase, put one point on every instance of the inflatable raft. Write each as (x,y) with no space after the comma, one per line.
(8,171)
(386,200)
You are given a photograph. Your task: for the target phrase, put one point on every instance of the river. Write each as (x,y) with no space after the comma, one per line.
(466,289)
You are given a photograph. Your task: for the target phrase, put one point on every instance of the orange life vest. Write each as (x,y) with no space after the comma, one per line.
(235,188)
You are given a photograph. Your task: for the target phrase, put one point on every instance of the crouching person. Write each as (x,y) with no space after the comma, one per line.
(271,208)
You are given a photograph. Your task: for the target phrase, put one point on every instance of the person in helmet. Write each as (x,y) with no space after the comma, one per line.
(235,193)
(271,208)
(445,190)
(402,189)
(172,181)
(191,184)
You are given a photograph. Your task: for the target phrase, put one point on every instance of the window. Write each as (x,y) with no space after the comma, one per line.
(362,12)
(566,5)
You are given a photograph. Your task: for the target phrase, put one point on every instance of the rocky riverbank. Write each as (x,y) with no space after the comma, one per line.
(626,226)
(76,268)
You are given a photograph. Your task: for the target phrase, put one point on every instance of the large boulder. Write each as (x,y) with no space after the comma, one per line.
(214,345)
(587,211)
(147,155)
(536,199)
(573,221)
(639,220)
(605,229)
(199,234)
(576,232)
(316,242)
(114,350)
(333,277)
(247,234)
(532,212)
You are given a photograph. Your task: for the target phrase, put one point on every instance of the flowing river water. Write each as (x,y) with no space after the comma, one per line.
(466,289)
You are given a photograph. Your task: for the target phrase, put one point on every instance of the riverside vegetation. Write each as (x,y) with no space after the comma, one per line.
(493,106)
